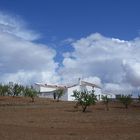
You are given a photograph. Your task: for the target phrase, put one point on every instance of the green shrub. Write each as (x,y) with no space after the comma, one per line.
(17,90)
(84,99)
(30,92)
(4,89)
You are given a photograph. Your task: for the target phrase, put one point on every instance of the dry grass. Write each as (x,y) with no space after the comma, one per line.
(47,120)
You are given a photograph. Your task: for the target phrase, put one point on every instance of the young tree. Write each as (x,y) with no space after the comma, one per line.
(106,100)
(30,92)
(4,90)
(54,95)
(58,94)
(17,90)
(84,99)
(126,100)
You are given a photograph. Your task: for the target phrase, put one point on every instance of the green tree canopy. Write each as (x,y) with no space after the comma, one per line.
(4,89)
(84,98)
(30,92)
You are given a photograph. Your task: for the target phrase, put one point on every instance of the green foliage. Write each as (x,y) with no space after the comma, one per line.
(4,90)
(17,90)
(106,100)
(30,92)
(126,100)
(84,98)
(58,93)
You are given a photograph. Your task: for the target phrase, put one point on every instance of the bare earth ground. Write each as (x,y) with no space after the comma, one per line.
(47,120)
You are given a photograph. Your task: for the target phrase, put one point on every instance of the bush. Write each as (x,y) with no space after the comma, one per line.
(4,89)
(17,90)
(84,99)
(30,92)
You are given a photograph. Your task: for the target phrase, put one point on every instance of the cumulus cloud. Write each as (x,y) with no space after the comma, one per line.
(22,60)
(103,57)
(95,80)
(110,62)
(132,72)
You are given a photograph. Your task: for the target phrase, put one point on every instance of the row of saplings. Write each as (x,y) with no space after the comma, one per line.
(18,90)
(82,98)
(15,90)
(86,98)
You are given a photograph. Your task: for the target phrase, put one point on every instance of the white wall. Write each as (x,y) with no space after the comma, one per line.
(46,95)
(79,88)
(65,96)
(47,92)
(70,92)
(46,89)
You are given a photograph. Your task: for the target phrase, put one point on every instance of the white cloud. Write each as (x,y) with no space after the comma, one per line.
(22,60)
(95,80)
(103,57)
(132,72)
(16,26)
(96,58)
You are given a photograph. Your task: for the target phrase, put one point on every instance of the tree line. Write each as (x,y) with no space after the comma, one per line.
(88,98)
(82,98)
(18,90)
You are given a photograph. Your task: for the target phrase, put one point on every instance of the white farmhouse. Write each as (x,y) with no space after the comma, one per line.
(47,91)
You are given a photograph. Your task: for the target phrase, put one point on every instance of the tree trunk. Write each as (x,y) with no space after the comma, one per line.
(54,96)
(84,108)
(33,99)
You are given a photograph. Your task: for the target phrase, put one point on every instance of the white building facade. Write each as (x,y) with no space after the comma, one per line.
(47,91)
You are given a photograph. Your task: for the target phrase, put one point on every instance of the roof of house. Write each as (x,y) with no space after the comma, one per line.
(65,86)
(51,86)
(89,84)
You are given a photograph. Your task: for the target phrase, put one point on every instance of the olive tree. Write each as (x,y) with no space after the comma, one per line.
(17,90)
(84,98)
(126,100)
(4,90)
(58,94)
(30,92)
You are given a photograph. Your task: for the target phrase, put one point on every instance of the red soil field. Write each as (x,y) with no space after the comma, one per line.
(45,119)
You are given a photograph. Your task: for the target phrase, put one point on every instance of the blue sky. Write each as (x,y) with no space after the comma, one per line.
(65,34)
(58,20)
(61,19)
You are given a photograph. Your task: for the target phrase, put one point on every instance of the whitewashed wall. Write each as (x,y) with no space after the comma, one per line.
(70,92)
(47,92)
